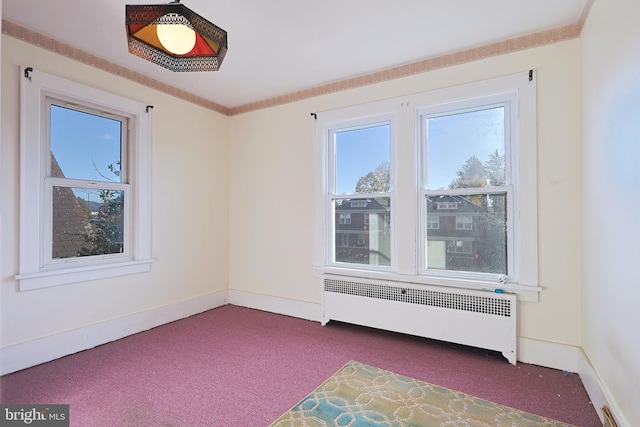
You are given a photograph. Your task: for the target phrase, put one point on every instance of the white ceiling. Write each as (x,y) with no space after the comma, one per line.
(283,46)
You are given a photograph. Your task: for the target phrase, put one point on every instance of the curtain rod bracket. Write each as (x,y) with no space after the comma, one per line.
(315,116)
(27,71)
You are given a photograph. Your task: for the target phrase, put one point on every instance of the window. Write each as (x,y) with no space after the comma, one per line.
(462,223)
(465,144)
(445,205)
(433,222)
(86,154)
(456,164)
(86,183)
(360,198)
(459,247)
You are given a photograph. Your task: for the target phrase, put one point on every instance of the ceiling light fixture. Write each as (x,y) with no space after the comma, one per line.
(175,37)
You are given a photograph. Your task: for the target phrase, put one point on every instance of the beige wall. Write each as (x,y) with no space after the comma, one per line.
(271,177)
(260,185)
(189,209)
(611,205)
(250,177)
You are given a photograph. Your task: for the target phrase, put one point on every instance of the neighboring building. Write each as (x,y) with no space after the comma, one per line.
(362,231)
(466,233)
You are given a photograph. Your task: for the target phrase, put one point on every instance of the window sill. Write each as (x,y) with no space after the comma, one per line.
(524,292)
(45,279)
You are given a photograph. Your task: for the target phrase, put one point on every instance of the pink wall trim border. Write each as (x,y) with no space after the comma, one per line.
(429,64)
(32,37)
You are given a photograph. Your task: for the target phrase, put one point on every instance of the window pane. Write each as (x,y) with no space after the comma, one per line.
(472,237)
(359,241)
(466,149)
(85,146)
(87,222)
(362,160)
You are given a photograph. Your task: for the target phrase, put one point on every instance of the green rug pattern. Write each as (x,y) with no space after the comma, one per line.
(359,395)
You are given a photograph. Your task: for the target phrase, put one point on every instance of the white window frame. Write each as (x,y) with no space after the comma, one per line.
(457,103)
(466,246)
(447,205)
(344,218)
(36,269)
(407,160)
(461,222)
(324,253)
(50,181)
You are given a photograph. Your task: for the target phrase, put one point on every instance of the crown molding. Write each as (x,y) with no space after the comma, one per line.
(528,41)
(468,55)
(37,39)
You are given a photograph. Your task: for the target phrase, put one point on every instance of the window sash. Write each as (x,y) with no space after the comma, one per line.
(347,219)
(374,253)
(508,193)
(47,223)
(74,105)
(464,222)
(50,182)
(506,101)
(433,222)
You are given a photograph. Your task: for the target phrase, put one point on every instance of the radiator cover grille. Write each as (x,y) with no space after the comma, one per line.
(492,305)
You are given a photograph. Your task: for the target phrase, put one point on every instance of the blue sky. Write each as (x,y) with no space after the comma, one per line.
(359,152)
(452,139)
(455,138)
(84,145)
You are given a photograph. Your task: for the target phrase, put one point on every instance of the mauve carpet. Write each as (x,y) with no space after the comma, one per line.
(238,367)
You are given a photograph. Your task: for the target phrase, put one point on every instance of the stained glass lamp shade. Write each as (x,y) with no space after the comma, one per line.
(175,37)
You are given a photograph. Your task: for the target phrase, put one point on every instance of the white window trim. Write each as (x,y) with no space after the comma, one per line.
(33,274)
(344,218)
(461,222)
(433,222)
(406,244)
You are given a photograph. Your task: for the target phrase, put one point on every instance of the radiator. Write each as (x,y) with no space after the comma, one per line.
(475,318)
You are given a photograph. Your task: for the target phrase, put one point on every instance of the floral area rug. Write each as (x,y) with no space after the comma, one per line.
(360,395)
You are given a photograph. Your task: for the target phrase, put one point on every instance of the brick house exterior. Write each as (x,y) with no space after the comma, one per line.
(362,231)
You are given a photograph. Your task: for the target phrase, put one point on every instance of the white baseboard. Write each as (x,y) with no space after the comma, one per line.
(571,359)
(293,308)
(599,393)
(20,356)
(31,353)
(551,355)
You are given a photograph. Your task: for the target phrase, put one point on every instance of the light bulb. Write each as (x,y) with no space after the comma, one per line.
(175,34)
